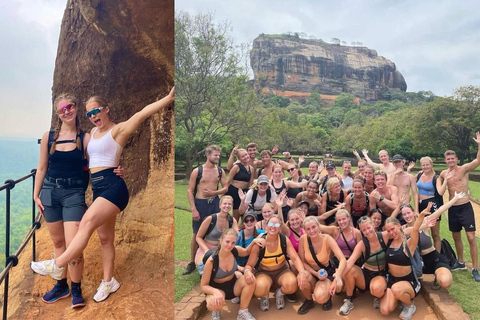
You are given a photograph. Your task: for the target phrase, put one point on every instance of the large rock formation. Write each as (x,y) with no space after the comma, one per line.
(288,63)
(124,51)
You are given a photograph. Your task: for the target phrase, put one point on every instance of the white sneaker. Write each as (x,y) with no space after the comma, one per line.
(279,299)
(245,315)
(346,307)
(235,300)
(47,268)
(216,315)
(264,303)
(105,289)
(407,312)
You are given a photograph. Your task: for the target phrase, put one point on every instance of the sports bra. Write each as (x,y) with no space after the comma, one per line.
(332,205)
(425,188)
(323,256)
(294,240)
(312,210)
(271,259)
(104,151)
(343,245)
(377,258)
(292,192)
(424,241)
(215,234)
(223,274)
(357,210)
(242,174)
(397,257)
(278,190)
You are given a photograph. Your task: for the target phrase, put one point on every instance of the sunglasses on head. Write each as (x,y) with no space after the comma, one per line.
(94,111)
(249,220)
(67,107)
(276,225)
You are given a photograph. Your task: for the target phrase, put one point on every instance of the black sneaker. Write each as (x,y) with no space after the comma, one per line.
(435,285)
(77,299)
(291,297)
(306,306)
(458,266)
(327,305)
(189,268)
(475,275)
(58,292)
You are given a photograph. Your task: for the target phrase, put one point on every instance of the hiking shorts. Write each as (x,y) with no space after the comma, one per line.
(461,216)
(205,207)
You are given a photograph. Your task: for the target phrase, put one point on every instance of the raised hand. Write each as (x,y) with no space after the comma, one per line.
(301,160)
(275,149)
(365,152)
(477,138)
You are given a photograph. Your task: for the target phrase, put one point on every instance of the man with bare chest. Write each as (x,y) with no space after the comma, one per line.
(406,184)
(384,197)
(385,164)
(461,214)
(203,195)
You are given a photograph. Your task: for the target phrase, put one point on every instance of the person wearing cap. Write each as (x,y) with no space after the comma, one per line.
(260,193)
(406,184)
(385,164)
(247,234)
(331,173)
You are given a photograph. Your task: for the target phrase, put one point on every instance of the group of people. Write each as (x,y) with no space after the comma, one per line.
(257,231)
(69,158)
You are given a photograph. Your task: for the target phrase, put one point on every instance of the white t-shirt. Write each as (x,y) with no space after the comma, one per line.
(260,202)
(347,183)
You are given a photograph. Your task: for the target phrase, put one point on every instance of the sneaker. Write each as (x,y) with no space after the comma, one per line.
(458,266)
(216,315)
(327,305)
(407,312)
(264,303)
(77,299)
(376,303)
(279,299)
(235,300)
(291,297)
(189,268)
(435,285)
(346,307)
(47,268)
(58,292)
(475,275)
(105,289)
(200,269)
(245,315)
(306,306)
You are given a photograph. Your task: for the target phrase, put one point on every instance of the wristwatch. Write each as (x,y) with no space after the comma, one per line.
(381,198)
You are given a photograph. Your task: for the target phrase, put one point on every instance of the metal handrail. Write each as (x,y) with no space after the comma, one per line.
(12,260)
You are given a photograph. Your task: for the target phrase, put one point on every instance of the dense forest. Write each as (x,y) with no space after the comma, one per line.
(216,103)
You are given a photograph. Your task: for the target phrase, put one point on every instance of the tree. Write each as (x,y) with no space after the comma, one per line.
(213,99)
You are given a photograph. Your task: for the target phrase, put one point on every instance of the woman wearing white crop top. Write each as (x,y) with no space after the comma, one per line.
(110,194)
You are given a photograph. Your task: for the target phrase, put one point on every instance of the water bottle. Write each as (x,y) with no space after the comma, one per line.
(323,274)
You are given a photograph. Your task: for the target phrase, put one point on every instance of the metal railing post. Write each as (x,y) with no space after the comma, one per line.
(34,255)
(11,185)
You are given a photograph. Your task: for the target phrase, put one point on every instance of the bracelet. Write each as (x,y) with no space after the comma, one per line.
(247,270)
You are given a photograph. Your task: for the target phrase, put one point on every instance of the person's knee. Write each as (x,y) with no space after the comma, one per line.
(289,287)
(385,309)
(377,289)
(320,295)
(444,280)
(59,243)
(76,261)
(262,288)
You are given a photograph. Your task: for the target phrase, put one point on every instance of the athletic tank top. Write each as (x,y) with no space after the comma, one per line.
(313,209)
(377,259)
(425,188)
(323,256)
(294,240)
(292,192)
(242,174)
(278,190)
(424,241)
(65,164)
(104,151)
(359,210)
(397,257)
(223,274)
(271,259)
(332,205)
(343,245)
(215,234)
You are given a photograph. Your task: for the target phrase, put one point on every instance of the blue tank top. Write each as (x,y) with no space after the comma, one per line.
(425,188)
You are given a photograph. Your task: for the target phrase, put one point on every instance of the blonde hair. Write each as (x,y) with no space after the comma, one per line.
(310,219)
(429,160)
(225,233)
(330,183)
(225,197)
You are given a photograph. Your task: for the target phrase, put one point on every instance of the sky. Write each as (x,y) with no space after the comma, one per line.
(435,44)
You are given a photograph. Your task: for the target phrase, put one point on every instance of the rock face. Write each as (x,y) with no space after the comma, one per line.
(122,50)
(289,63)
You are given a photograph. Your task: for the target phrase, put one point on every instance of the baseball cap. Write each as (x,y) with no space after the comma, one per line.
(262,179)
(330,164)
(398,157)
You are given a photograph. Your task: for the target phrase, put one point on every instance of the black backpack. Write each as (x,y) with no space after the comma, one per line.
(448,252)
(283,245)
(200,174)
(255,195)
(212,253)
(85,174)
(213,222)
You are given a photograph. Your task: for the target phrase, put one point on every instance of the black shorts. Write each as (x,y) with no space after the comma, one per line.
(422,204)
(233,192)
(434,260)
(369,275)
(106,184)
(410,278)
(226,287)
(205,207)
(461,216)
(62,203)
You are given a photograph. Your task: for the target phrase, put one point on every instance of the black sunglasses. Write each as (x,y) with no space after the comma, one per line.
(249,220)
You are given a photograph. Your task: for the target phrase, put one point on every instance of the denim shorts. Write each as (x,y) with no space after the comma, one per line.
(62,203)
(106,184)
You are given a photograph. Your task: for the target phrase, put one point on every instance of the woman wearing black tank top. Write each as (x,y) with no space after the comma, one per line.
(239,178)
(332,201)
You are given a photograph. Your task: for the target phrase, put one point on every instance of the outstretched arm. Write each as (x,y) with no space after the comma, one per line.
(123,130)
(447,205)
(377,166)
(231,159)
(472,165)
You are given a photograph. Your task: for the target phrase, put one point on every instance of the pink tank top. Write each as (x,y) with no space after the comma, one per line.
(343,245)
(294,240)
